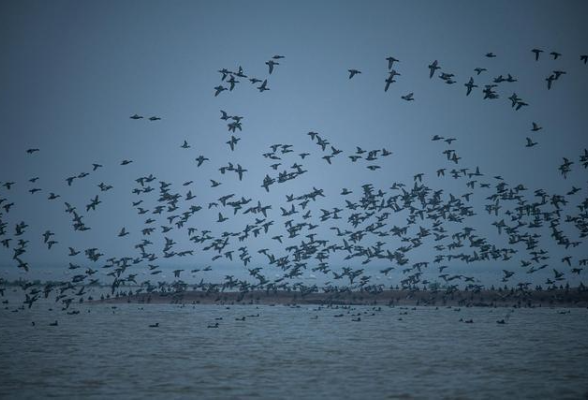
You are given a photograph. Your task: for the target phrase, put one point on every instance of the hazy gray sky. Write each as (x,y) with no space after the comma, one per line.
(73,72)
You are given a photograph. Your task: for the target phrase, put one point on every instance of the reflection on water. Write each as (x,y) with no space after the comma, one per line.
(287,352)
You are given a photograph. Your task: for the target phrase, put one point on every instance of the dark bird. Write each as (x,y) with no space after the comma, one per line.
(555,55)
(154,118)
(389,81)
(218,90)
(201,159)
(391,60)
(271,64)
(550,80)
(470,85)
(31,151)
(434,66)
(408,97)
(263,87)
(240,171)
(353,72)
(537,53)
(221,218)
(135,116)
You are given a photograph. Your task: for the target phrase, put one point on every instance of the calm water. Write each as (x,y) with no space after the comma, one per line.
(293,353)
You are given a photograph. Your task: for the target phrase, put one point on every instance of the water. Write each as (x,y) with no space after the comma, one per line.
(292,353)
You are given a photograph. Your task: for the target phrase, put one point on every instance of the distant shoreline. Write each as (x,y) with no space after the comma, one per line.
(571,298)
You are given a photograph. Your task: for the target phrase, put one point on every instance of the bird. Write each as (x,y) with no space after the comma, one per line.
(550,80)
(135,116)
(537,52)
(154,118)
(201,159)
(353,72)
(470,85)
(391,60)
(32,151)
(123,232)
(271,64)
(530,143)
(555,55)
(408,97)
(218,90)
(240,171)
(221,218)
(263,87)
(434,66)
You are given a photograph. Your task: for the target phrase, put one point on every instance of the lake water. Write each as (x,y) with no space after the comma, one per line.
(283,352)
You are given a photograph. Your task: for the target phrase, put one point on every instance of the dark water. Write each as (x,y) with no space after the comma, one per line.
(293,353)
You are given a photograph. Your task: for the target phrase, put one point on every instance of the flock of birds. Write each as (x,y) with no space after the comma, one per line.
(361,231)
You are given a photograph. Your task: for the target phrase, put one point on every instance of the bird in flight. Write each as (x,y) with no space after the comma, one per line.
(201,159)
(433,67)
(537,52)
(263,87)
(271,64)
(470,85)
(353,72)
(391,60)
(408,97)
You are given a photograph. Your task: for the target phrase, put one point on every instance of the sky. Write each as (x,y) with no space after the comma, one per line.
(74,72)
